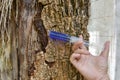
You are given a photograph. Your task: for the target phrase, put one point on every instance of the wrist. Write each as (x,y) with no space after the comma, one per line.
(105,77)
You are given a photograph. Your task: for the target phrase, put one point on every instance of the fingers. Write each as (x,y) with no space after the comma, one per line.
(82,51)
(79,44)
(105,51)
(74,58)
(82,46)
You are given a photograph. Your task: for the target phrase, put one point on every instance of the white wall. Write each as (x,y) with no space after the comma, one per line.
(102,28)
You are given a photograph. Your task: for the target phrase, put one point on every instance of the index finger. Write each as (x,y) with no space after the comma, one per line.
(79,44)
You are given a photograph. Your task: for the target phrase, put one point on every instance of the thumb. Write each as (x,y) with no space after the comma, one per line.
(105,51)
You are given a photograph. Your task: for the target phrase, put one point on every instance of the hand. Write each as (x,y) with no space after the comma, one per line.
(91,67)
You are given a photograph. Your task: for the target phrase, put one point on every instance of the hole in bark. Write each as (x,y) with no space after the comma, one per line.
(50,64)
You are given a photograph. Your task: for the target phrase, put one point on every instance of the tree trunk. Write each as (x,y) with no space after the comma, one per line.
(26,52)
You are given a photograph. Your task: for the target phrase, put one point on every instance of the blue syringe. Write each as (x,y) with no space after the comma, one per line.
(66,38)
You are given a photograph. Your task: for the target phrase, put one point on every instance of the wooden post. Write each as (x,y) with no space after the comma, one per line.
(26,52)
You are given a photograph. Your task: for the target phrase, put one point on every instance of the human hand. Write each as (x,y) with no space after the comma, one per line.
(91,67)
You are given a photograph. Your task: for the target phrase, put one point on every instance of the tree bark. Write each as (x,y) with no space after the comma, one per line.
(26,52)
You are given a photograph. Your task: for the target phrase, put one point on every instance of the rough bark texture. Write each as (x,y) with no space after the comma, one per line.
(26,52)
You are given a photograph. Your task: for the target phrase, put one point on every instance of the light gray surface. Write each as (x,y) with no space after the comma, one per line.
(102,27)
(117,25)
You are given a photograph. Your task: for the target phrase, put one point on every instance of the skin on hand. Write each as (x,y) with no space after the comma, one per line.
(91,67)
